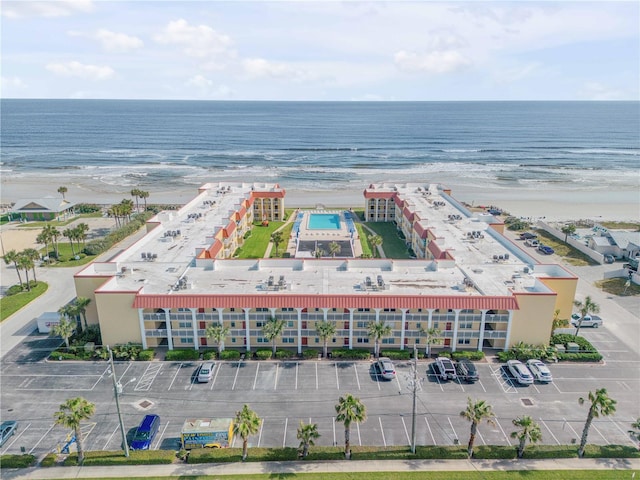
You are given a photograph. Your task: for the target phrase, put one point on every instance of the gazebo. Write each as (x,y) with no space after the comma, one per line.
(42,209)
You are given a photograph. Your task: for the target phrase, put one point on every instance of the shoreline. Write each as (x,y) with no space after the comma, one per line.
(552,205)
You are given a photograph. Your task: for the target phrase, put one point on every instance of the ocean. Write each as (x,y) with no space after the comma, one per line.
(322,145)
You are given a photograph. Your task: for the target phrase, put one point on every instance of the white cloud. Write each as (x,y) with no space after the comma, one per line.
(516,74)
(112,41)
(206,87)
(80,70)
(598,91)
(12,82)
(50,8)
(261,68)
(435,62)
(199,41)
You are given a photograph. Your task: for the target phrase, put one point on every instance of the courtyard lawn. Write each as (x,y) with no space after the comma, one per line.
(286,233)
(256,244)
(67,256)
(367,250)
(12,303)
(392,244)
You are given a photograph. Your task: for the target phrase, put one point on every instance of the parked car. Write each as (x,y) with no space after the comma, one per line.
(384,367)
(443,367)
(145,433)
(545,249)
(528,236)
(532,242)
(520,372)
(539,371)
(467,371)
(588,320)
(7,429)
(205,372)
(609,259)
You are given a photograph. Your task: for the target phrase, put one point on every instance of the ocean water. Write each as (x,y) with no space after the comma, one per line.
(322,145)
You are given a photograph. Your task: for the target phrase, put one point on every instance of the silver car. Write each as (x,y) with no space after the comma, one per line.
(539,370)
(385,368)
(205,372)
(520,372)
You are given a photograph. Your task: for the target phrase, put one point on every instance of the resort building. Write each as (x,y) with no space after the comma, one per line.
(467,280)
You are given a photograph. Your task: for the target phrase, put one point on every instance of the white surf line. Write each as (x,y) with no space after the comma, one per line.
(359,438)
(503,433)
(284,438)
(569,425)
(275,383)
(255,379)
(337,381)
(547,427)
(236,377)
(406,432)
(455,435)
(357,379)
(430,432)
(174,377)
(218,368)
(384,440)
(259,434)
(166,425)
(110,437)
(41,438)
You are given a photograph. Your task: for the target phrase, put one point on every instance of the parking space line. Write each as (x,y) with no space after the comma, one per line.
(459,383)
(549,430)
(174,377)
(219,367)
(599,433)
(149,375)
(625,434)
(337,382)
(41,438)
(333,422)
(481,437)
(259,434)
(357,379)
(16,438)
(439,382)
(384,440)
(125,371)
(375,372)
(255,379)
(275,383)
(430,432)
(317,377)
(554,384)
(455,435)
(297,364)
(284,438)
(166,425)
(569,425)
(503,433)
(536,388)
(399,385)
(110,437)
(236,377)
(359,438)
(483,389)
(406,432)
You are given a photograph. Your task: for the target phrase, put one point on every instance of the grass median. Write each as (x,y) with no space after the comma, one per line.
(12,303)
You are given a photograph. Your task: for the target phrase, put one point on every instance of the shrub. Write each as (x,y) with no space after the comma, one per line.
(14,289)
(551,451)
(310,353)
(445,353)
(95,247)
(611,451)
(62,356)
(396,354)
(87,208)
(16,461)
(179,355)
(50,460)
(263,354)
(146,355)
(494,452)
(209,355)
(469,354)
(564,338)
(355,354)
(284,354)
(580,357)
(136,457)
(229,355)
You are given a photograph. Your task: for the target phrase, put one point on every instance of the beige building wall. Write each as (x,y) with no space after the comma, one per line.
(532,323)
(119,322)
(566,290)
(85,287)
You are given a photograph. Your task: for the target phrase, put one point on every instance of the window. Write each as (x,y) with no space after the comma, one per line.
(287,309)
(184,324)
(361,324)
(464,341)
(233,324)
(466,325)
(364,309)
(389,309)
(288,340)
(363,340)
(290,324)
(233,340)
(388,340)
(186,340)
(259,324)
(261,309)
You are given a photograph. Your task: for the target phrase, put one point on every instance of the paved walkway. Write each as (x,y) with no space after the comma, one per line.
(321,467)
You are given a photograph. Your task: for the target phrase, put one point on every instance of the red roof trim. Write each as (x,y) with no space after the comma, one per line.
(370,194)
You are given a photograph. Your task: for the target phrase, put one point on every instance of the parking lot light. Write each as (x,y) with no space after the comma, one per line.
(117,390)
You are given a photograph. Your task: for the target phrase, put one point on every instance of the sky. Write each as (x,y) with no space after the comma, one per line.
(321,51)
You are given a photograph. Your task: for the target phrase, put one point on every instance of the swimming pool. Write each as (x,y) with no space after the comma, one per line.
(324,221)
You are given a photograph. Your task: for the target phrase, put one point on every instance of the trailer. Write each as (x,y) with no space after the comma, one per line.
(206,433)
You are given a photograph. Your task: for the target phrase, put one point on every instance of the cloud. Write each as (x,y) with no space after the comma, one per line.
(598,91)
(261,68)
(79,70)
(198,41)
(50,8)
(516,74)
(112,41)
(436,62)
(208,88)
(13,82)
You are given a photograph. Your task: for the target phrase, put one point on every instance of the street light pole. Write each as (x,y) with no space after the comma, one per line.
(415,390)
(117,389)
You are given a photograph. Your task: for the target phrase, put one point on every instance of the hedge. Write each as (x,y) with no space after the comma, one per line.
(469,354)
(550,451)
(17,461)
(136,457)
(146,355)
(580,357)
(229,355)
(284,354)
(177,355)
(50,460)
(611,451)
(495,452)
(355,354)
(396,354)
(310,354)
(263,354)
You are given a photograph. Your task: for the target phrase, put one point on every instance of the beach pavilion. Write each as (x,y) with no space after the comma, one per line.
(42,209)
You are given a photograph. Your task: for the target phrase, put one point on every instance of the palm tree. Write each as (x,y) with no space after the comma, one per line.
(529,430)
(55,235)
(349,409)
(70,234)
(272,329)
(318,252)
(62,191)
(82,230)
(568,230)
(136,194)
(81,305)
(33,255)
(378,330)
(64,329)
(558,322)
(325,330)
(432,337)
(43,238)
(307,434)
(334,247)
(276,238)
(25,263)
(12,257)
(476,412)
(246,423)
(127,208)
(635,431)
(601,405)
(585,308)
(218,332)
(375,241)
(71,413)
(144,195)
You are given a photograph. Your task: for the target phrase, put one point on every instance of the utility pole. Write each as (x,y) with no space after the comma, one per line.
(117,389)
(414,384)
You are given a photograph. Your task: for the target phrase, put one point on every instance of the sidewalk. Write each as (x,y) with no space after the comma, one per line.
(320,467)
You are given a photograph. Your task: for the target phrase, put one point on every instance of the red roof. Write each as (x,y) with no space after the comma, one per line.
(326,301)
(278,194)
(371,194)
(229,229)
(435,250)
(408,214)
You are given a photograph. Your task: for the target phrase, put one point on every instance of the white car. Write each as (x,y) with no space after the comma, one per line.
(384,368)
(445,369)
(588,320)
(539,370)
(520,372)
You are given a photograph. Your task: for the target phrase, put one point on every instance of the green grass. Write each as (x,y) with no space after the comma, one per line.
(11,304)
(633,226)
(66,255)
(392,244)
(55,223)
(364,240)
(616,286)
(286,233)
(256,245)
(571,255)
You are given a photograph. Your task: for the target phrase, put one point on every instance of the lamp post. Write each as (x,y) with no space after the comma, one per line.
(117,390)
(413,384)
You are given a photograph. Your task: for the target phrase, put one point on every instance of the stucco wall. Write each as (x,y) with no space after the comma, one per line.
(118,319)
(532,323)
(85,287)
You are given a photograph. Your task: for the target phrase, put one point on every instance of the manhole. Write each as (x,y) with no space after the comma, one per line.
(144,404)
(527,402)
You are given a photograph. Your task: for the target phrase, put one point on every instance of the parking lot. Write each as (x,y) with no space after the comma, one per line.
(284,393)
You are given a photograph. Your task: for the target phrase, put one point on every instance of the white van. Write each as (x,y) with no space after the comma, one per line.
(205,372)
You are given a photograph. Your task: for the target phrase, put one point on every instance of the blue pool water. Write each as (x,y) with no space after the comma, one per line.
(324,221)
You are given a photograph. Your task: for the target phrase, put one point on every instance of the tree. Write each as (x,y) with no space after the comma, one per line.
(82,230)
(558,322)
(334,247)
(62,191)
(81,305)
(529,430)
(70,234)
(55,235)
(476,412)
(25,263)
(245,424)
(568,230)
(276,238)
(64,329)
(136,194)
(272,329)
(307,434)
(218,332)
(600,405)
(325,330)
(375,241)
(12,257)
(432,337)
(585,308)
(33,255)
(318,252)
(635,430)
(144,195)
(43,238)
(349,409)
(71,414)
(378,330)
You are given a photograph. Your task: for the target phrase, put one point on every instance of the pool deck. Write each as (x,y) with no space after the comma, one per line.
(306,234)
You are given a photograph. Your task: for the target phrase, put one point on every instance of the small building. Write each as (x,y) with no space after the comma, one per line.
(42,209)
(620,244)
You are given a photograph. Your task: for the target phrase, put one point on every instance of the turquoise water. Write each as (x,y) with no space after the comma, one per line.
(324,221)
